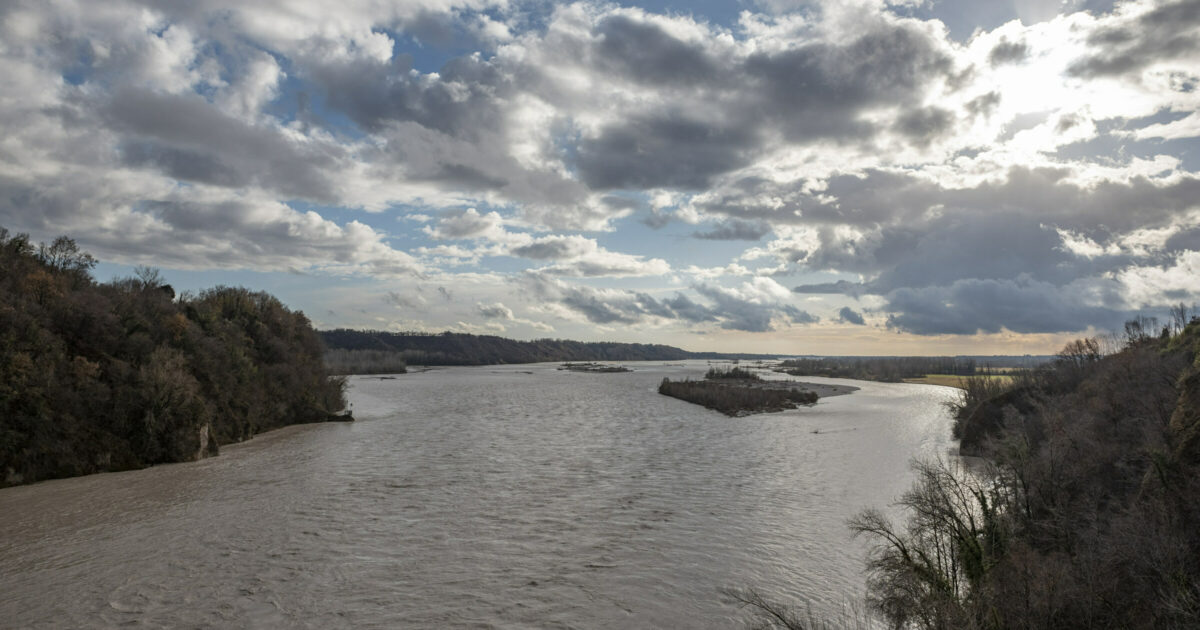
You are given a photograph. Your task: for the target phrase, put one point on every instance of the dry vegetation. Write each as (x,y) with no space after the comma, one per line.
(738,392)
(961,382)
(1087,514)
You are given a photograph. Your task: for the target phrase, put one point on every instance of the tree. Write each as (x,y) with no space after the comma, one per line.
(931,573)
(64,255)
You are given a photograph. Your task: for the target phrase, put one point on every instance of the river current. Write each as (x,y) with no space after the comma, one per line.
(508,497)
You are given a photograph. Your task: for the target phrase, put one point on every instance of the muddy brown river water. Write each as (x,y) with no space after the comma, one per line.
(507,497)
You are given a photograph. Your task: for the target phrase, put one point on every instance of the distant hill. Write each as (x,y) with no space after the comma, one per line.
(464,349)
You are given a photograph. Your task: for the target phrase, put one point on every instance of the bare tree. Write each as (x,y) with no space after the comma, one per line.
(1179,317)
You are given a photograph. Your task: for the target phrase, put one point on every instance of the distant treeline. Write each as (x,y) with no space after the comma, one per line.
(465,349)
(896,369)
(1085,512)
(100,377)
(343,361)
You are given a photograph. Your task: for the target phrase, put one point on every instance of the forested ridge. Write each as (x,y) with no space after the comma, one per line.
(1083,510)
(450,348)
(896,369)
(113,376)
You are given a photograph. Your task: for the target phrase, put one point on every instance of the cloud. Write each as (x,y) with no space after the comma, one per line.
(735,230)
(1051,153)
(405,301)
(465,224)
(612,306)
(187,138)
(572,255)
(849,316)
(1141,35)
(1020,305)
(1008,52)
(1153,286)
(841,287)
(494,311)
(756,306)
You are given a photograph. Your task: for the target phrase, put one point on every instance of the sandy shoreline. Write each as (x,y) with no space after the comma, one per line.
(823,390)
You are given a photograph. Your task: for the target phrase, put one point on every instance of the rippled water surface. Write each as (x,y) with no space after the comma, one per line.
(515,496)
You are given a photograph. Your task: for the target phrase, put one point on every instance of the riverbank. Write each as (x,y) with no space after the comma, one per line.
(598,368)
(824,390)
(955,381)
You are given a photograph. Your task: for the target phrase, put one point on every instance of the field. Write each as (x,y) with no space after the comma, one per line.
(954,380)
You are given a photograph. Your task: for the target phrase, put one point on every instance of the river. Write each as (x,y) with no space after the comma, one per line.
(509,497)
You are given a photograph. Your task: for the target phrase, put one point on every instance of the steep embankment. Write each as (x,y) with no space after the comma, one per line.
(1089,516)
(101,377)
(1185,419)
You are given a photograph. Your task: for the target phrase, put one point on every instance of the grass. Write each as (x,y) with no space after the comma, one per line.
(954,380)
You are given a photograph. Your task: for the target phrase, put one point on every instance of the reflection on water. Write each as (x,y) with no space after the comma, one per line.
(489,497)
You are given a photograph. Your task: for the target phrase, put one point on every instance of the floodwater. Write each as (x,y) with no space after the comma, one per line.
(508,497)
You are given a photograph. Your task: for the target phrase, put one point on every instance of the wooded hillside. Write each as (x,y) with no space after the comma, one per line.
(463,349)
(101,377)
(1088,512)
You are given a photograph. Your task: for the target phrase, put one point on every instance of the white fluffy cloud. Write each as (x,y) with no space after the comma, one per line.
(857,150)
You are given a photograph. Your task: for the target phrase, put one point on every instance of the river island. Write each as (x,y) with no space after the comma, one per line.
(740,392)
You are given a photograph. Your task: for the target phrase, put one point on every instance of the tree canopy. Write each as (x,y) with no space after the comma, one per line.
(119,375)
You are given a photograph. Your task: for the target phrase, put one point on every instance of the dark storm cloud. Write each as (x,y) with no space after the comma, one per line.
(461,100)
(993,254)
(1020,305)
(466,177)
(1184,240)
(617,202)
(818,90)
(187,138)
(984,104)
(841,287)
(738,313)
(810,92)
(648,54)
(1167,32)
(894,200)
(664,150)
(849,316)
(450,129)
(798,316)
(184,164)
(621,307)
(183,232)
(689,311)
(734,230)
(631,307)
(979,247)
(463,224)
(1008,52)
(923,126)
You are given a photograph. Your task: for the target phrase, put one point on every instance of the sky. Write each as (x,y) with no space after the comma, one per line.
(780,176)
